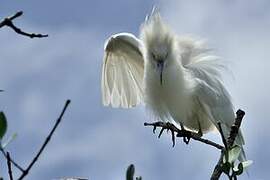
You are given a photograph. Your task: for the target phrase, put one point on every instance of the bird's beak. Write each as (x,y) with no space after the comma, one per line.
(160,65)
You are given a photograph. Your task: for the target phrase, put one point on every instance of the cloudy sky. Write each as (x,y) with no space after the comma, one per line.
(98,142)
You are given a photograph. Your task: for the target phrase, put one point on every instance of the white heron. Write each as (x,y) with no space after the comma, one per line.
(175,77)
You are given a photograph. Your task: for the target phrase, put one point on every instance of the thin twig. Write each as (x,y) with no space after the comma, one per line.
(45,142)
(8,22)
(182,133)
(233,133)
(9,167)
(11,160)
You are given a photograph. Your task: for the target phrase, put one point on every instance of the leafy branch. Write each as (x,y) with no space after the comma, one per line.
(229,151)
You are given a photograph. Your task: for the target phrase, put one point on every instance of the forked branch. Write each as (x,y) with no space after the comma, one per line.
(187,135)
(229,143)
(9,23)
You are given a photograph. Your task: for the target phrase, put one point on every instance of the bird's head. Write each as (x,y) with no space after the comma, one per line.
(158,42)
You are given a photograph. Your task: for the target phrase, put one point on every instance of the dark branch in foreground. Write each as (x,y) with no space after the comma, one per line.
(26,171)
(234,131)
(8,22)
(9,167)
(181,133)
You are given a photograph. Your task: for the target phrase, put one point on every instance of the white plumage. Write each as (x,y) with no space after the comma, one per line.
(175,77)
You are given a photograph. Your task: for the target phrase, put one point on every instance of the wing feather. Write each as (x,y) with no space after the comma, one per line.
(122,72)
(210,91)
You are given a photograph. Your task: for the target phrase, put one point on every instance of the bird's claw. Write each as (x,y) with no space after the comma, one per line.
(164,126)
(186,135)
(155,125)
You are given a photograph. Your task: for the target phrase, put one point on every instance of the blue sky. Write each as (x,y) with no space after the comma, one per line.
(98,142)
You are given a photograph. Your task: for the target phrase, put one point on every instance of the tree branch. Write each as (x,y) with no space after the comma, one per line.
(233,133)
(11,160)
(196,136)
(8,22)
(182,133)
(25,172)
(9,167)
(235,127)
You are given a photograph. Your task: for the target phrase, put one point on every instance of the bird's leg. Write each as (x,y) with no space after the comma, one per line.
(200,133)
(184,134)
(182,126)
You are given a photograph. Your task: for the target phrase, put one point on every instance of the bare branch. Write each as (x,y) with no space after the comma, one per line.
(182,133)
(9,167)
(235,127)
(45,142)
(8,22)
(11,160)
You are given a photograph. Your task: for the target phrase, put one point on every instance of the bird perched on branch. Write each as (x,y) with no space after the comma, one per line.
(175,77)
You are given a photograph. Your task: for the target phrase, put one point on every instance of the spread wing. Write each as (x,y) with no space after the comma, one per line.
(210,91)
(122,71)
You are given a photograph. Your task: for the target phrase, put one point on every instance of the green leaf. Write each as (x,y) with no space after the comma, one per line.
(234,153)
(11,138)
(3,125)
(247,163)
(130,172)
(239,170)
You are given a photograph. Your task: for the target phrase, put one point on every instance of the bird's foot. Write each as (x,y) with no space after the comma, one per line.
(164,126)
(186,135)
